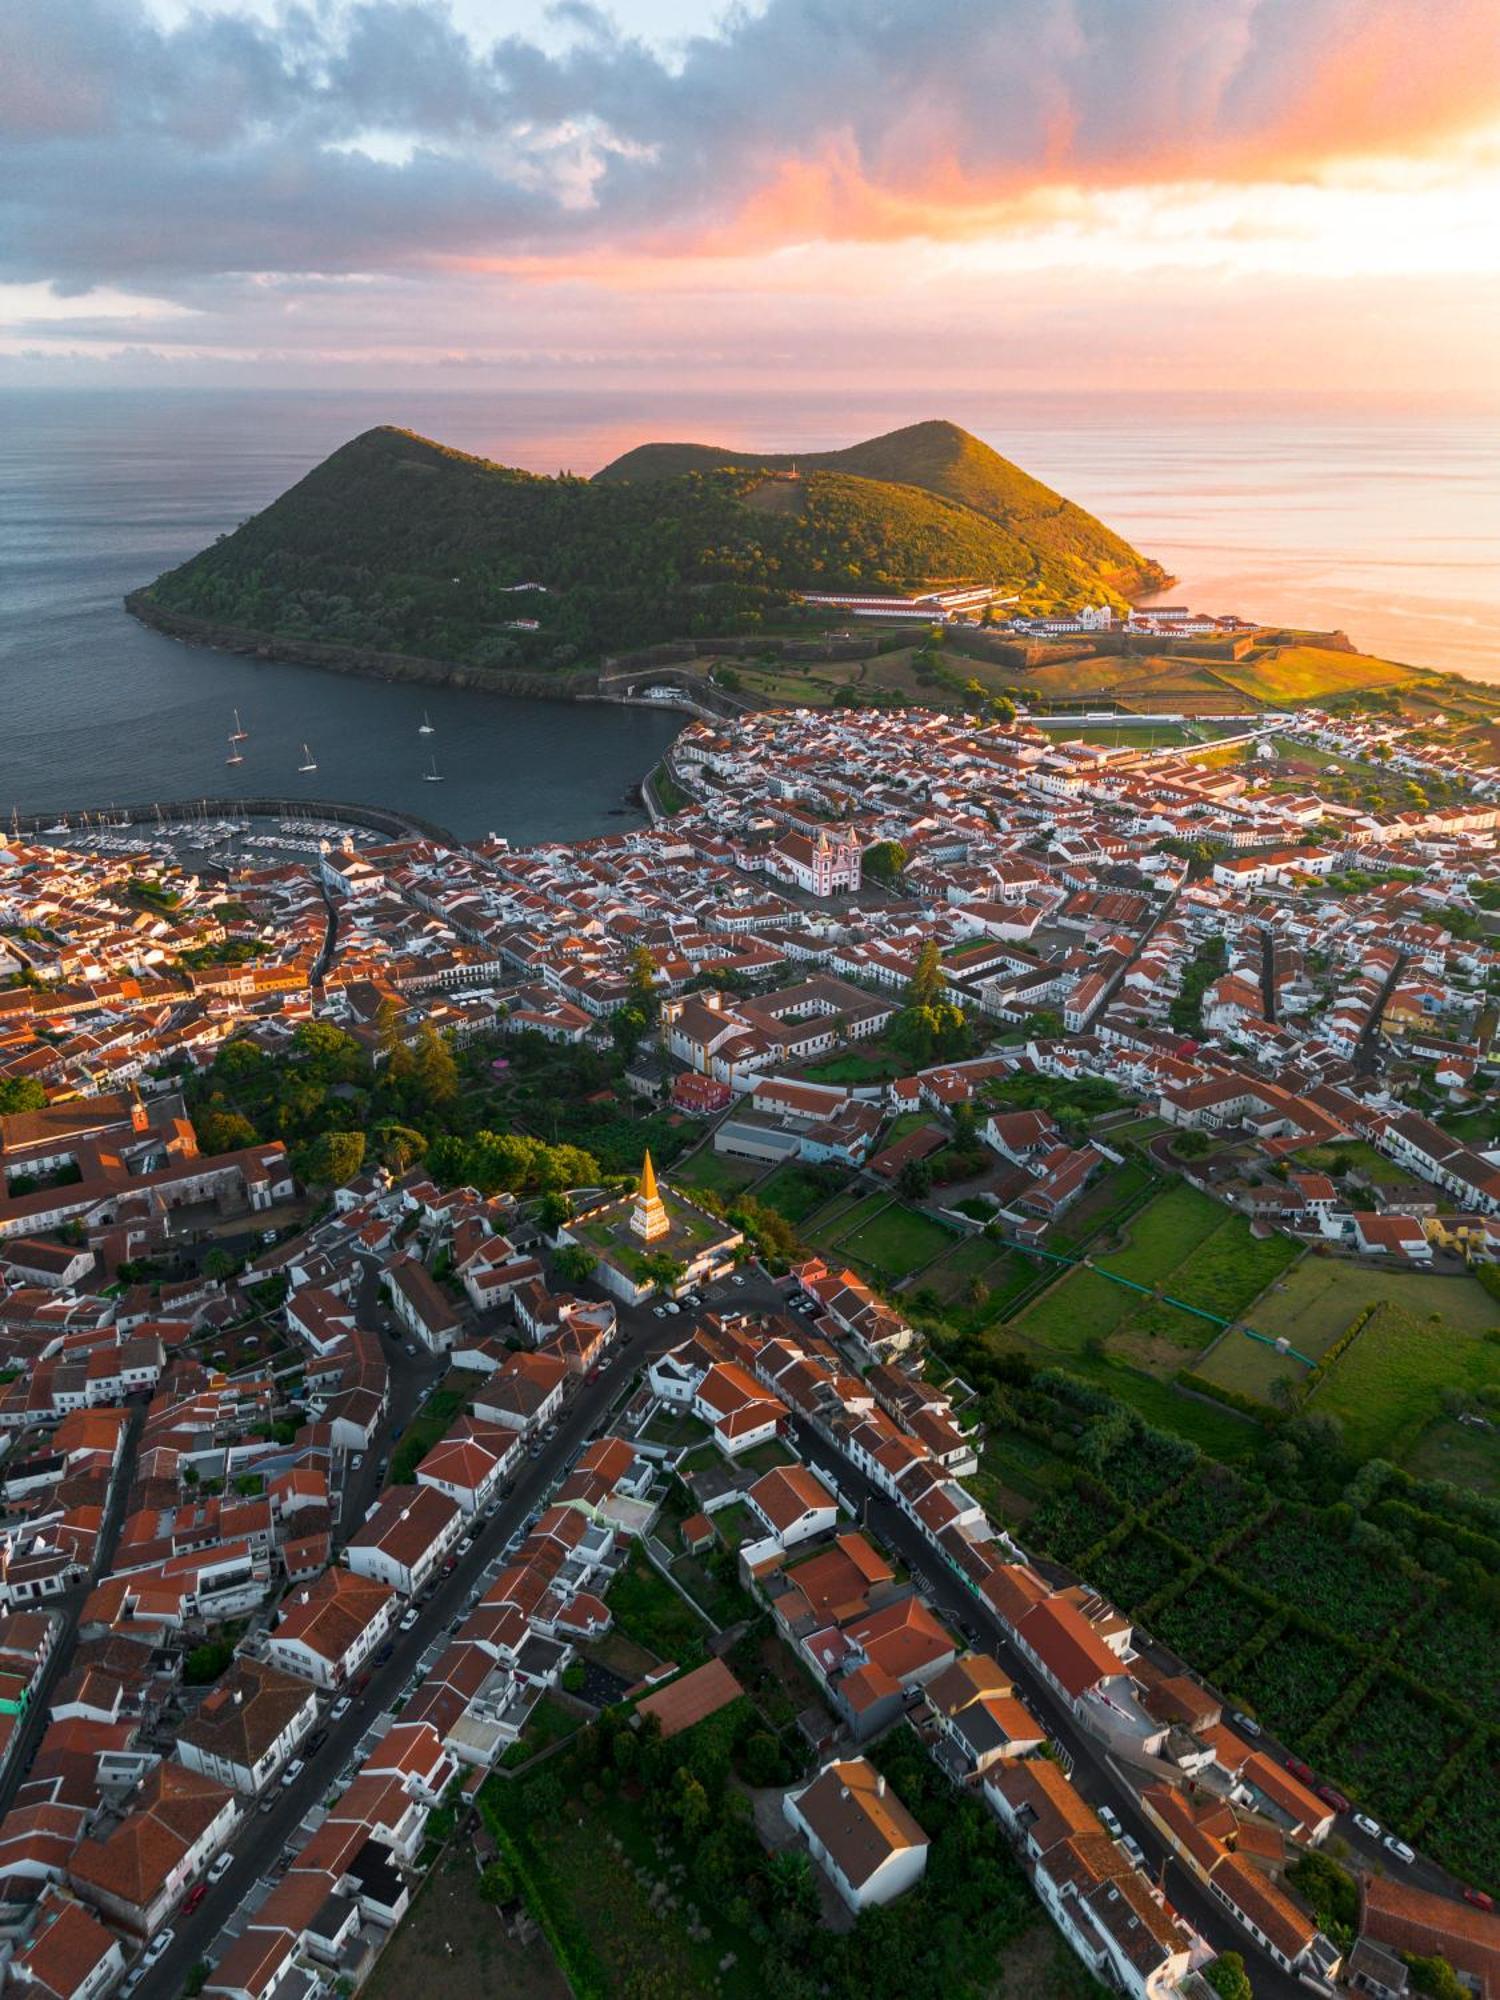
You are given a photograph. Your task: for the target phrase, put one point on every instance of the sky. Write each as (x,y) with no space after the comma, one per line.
(1239,197)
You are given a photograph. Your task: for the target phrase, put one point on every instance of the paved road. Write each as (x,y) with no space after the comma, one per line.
(263,1835)
(1095,1777)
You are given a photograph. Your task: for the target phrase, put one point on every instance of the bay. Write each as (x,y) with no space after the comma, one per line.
(1383,523)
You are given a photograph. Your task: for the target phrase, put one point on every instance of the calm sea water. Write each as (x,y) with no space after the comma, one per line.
(1386,526)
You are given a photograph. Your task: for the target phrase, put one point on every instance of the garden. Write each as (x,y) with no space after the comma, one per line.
(1300,1558)
(1291,1681)
(1390,1752)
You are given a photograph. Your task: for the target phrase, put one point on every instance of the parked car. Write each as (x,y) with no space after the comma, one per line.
(1246,1722)
(1331,1796)
(193,1898)
(672,1308)
(659,1312)
(1300,1770)
(294,1771)
(360,1685)
(384,1654)
(222,1865)
(1479,1898)
(447,1570)
(315,1742)
(411,1347)
(1399,1848)
(357,1461)
(1367,1826)
(159,1946)
(1110,1822)
(341,1707)
(1131,1846)
(268,1803)
(408,1619)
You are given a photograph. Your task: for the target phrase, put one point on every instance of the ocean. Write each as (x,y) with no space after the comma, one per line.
(1385,526)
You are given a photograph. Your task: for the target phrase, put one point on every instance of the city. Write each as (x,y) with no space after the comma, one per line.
(916,1306)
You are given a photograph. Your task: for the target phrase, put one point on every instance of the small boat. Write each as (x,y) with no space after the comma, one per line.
(434,776)
(309,762)
(234,756)
(239,732)
(425,728)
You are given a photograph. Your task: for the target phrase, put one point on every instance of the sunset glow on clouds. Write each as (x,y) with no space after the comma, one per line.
(1285,193)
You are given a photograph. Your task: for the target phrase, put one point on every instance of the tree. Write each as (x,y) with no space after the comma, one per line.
(223,1131)
(642,980)
(914,1179)
(553,1210)
(334,1157)
(760,1758)
(1228,1977)
(435,1073)
(885,861)
(629,1027)
(1190,1145)
(662,1271)
(21,1093)
(220,1264)
(927,983)
(574,1263)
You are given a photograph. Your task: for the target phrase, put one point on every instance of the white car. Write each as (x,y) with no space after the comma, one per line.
(1110,1822)
(357,1461)
(408,1619)
(341,1707)
(1368,1826)
(159,1946)
(672,1308)
(659,1312)
(294,1771)
(1399,1848)
(1133,1848)
(222,1865)
(1246,1722)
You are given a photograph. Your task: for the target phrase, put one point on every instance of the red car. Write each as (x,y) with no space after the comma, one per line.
(1479,1899)
(1332,1798)
(1300,1770)
(193,1898)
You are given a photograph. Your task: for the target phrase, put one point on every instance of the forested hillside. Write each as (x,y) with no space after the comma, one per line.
(1065,543)
(398,545)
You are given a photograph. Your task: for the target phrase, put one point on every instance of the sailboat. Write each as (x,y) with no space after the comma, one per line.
(234,756)
(434,776)
(425,728)
(239,731)
(309,762)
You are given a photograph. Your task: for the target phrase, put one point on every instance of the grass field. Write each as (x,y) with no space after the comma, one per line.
(719,1173)
(1360,1156)
(889,1239)
(1307,673)
(1387,1388)
(875,1064)
(795,1191)
(1313,1304)
(1457,1452)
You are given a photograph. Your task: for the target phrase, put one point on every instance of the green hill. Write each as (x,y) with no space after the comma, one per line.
(398,545)
(940,458)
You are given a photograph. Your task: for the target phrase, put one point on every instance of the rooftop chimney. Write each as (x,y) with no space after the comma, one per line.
(880,1784)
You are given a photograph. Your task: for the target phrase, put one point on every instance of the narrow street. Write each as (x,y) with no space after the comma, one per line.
(262,1836)
(1094,1775)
